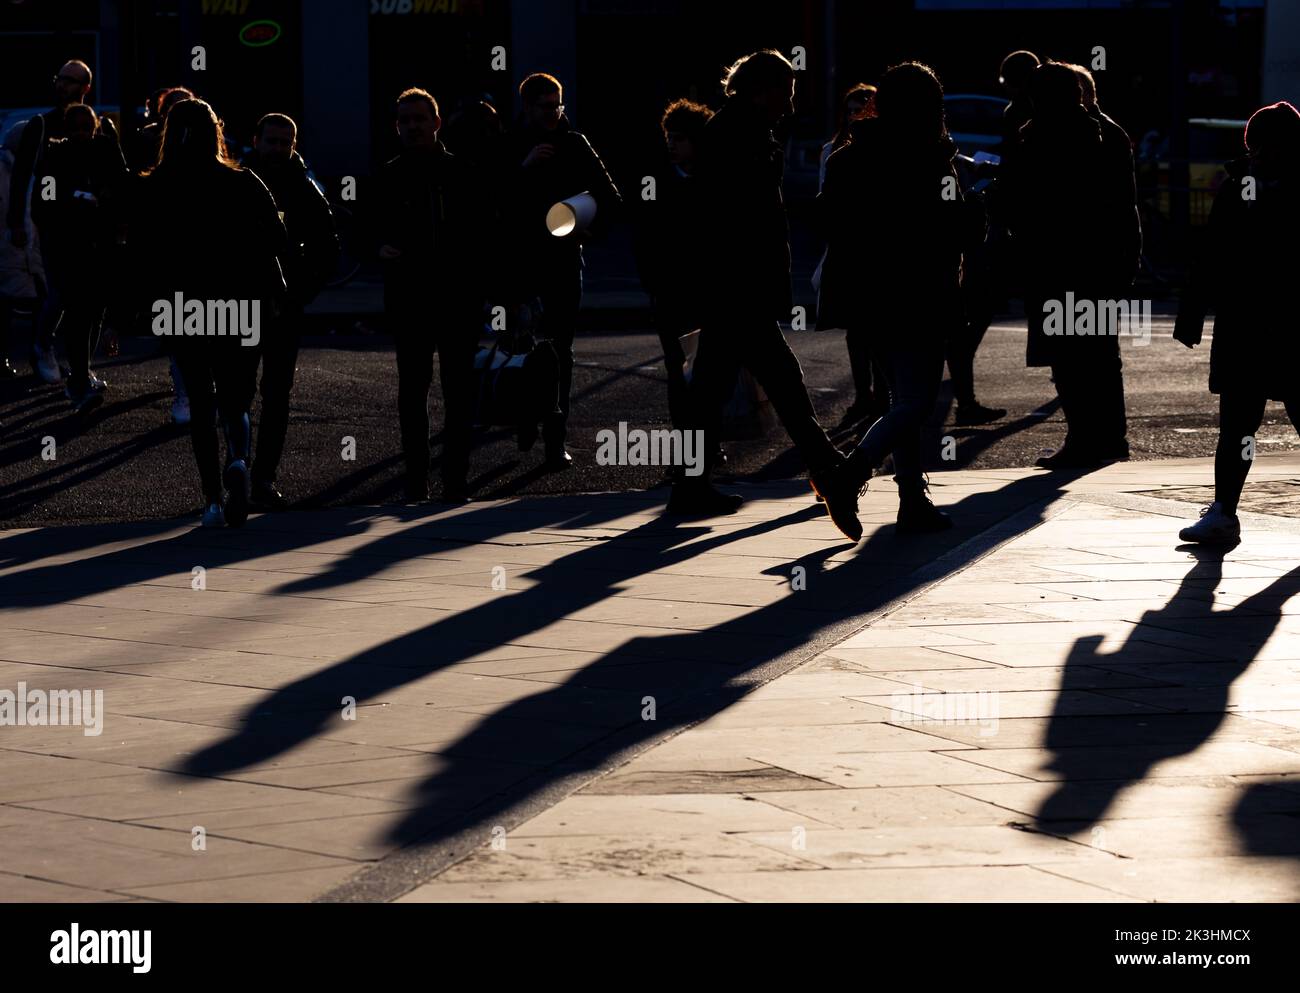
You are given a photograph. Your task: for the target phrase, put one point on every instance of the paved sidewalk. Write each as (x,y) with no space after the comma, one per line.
(1052,702)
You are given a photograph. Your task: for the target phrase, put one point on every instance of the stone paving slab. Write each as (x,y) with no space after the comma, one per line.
(577,699)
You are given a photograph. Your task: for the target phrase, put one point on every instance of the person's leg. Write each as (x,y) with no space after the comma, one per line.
(456,347)
(866,386)
(414,377)
(197,375)
(914,376)
(713,381)
(768,356)
(560,304)
(1108,406)
(670,332)
(279,361)
(235,376)
(1240,415)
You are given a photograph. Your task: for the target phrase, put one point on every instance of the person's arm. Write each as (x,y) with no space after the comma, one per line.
(599,184)
(321,241)
(24,164)
(1198,294)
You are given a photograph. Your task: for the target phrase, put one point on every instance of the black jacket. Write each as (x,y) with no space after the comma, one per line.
(897,226)
(313,241)
(531,192)
(1246,275)
(670,256)
(432,210)
(740,167)
(90,183)
(1068,191)
(210,234)
(37,134)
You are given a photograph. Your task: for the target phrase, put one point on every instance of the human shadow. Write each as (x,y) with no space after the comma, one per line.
(577,720)
(1097,757)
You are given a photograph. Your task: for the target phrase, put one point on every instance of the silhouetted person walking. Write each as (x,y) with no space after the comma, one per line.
(71,85)
(86,176)
(898,226)
(671,257)
(431,218)
(1070,206)
(1246,275)
(313,253)
(549,162)
(741,166)
(212,253)
(870,392)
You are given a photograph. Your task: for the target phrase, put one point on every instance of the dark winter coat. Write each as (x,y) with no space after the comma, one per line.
(1067,194)
(1246,276)
(740,167)
(313,241)
(530,193)
(897,226)
(431,210)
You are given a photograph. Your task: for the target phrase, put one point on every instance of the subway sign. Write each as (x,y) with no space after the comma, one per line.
(472,7)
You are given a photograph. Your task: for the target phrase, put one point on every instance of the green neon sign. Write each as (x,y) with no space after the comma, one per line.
(259,34)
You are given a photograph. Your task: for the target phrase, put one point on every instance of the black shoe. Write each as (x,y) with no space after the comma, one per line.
(526,436)
(83,400)
(969,414)
(454,493)
(558,461)
(268,496)
(695,500)
(238,493)
(917,515)
(840,488)
(417,493)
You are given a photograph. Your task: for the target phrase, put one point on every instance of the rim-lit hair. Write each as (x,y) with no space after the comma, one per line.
(538,85)
(415,93)
(911,96)
(757,72)
(686,117)
(280,121)
(193,139)
(76,109)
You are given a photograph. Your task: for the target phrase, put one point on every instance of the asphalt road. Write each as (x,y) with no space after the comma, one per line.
(127,462)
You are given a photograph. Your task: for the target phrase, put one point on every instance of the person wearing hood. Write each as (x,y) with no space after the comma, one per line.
(1069,201)
(313,253)
(1246,275)
(548,162)
(432,225)
(897,227)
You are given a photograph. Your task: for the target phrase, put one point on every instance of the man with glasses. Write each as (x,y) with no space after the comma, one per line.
(551,162)
(70,87)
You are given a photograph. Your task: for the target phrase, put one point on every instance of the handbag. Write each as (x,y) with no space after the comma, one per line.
(517,381)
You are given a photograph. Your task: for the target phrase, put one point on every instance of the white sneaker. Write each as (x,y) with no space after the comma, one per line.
(214,516)
(46,365)
(181,410)
(97,384)
(1214,526)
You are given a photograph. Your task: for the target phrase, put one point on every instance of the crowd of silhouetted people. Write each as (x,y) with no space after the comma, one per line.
(923,248)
